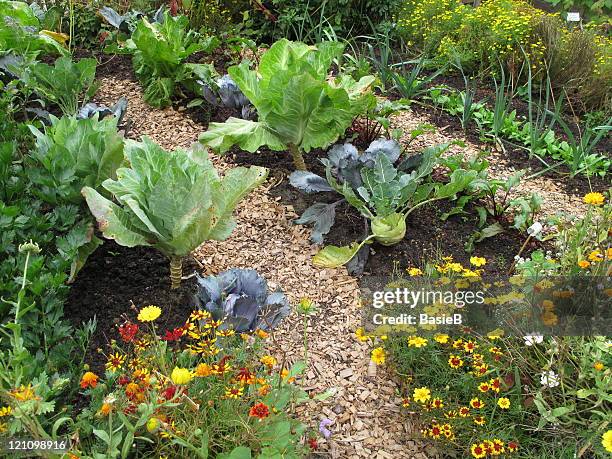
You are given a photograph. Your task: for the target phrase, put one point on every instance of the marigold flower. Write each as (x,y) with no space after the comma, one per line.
(268,361)
(477,403)
(435,432)
(464,411)
(233,392)
(5,411)
(180,376)
(441,338)
(416,341)
(149,313)
(106,409)
(606,441)
(458,344)
(549,318)
(203,370)
(406,402)
(478,450)
(479,420)
(89,379)
(495,384)
(437,403)
(498,447)
(596,256)
(512,446)
(478,261)
(262,334)
(378,356)
(414,272)
(421,394)
(594,199)
(455,361)
(584,264)
(484,387)
(503,403)
(599,366)
(259,410)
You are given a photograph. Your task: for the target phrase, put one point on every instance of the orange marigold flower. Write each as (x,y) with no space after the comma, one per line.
(89,379)
(203,370)
(262,334)
(105,409)
(259,410)
(131,389)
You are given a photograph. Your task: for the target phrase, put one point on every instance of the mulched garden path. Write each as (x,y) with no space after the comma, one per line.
(365,408)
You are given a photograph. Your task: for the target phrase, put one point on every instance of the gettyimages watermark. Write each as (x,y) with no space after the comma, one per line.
(560,306)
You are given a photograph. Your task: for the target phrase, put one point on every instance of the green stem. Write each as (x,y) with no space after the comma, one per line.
(298,158)
(176,271)
(23,283)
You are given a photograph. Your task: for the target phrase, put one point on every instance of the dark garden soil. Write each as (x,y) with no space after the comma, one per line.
(426,237)
(114,279)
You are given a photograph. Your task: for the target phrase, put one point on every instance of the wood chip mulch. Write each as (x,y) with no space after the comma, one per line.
(365,410)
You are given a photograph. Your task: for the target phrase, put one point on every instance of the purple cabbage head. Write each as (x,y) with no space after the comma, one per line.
(240,298)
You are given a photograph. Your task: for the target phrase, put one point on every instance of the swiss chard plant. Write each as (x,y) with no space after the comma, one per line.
(71,154)
(299,106)
(383,193)
(171,201)
(240,298)
(66,84)
(160,50)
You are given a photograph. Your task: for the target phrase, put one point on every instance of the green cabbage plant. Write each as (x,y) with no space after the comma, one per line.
(171,201)
(386,195)
(160,50)
(299,106)
(72,153)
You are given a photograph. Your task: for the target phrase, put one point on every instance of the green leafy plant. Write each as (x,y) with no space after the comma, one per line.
(160,51)
(21,31)
(386,196)
(66,84)
(172,202)
(299,108)
(72,153)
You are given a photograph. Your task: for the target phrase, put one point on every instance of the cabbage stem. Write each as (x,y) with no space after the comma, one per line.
(176,271)
(298,158)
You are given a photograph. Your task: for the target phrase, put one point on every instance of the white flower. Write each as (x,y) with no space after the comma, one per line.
(534,229)
(549,379)
(530,340)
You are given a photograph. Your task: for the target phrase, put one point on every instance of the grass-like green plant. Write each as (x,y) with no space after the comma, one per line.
(171,201)
(299,107)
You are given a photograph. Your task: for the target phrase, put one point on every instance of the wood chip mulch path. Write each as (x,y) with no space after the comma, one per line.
(364,409)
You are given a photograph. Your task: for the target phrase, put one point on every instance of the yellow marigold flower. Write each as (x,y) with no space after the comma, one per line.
(268,361)
(105,409)
(361,334)
(599,366)
(477,403)
(609,253)
(606,441)
(149,313)
(455,361)
(414,272)
(153,425)
(441,338)
(478,261)
(478,450)
(421,394)
(503,403)
(458,344)
(484,387)
(594,199)
(233,392)
(24,393)
(596,256)
(548,305)
(5,411)
(378,356)
(262,334)
(180,376)
(416,341)
(584,264)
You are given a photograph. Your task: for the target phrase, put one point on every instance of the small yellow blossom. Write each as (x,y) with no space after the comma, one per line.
(149,313)
(378,356)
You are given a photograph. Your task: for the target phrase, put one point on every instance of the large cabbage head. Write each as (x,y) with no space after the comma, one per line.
(240,298)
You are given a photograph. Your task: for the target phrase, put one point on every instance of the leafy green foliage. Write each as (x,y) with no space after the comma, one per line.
(298,107)
(73,153)
(172,202)
(20,31)
(66,84)
(160,50)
